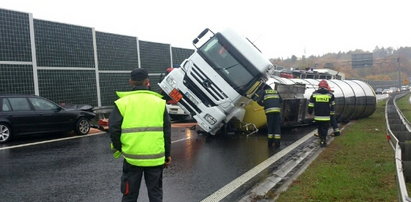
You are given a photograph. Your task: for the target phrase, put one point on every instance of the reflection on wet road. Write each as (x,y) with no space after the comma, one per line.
(82,169)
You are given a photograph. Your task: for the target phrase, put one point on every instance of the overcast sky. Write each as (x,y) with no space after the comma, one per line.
(279,28)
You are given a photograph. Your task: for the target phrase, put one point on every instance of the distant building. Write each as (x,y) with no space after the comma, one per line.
(318,74)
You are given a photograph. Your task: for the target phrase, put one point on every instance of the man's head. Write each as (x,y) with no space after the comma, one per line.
(139,77)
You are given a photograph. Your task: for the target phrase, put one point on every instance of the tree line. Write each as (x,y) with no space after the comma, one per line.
(387,63)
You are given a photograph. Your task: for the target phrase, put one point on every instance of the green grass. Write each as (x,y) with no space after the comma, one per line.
(405,106)
(357,166)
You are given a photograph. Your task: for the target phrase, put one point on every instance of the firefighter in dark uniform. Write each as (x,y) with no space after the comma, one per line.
(139,129)
(271,101)
(322,103)
(333,120)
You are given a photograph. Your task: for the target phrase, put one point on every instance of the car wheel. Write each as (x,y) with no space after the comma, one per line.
(82,126)
(5,132)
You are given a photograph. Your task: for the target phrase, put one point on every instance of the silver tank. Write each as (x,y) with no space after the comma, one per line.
(354,98)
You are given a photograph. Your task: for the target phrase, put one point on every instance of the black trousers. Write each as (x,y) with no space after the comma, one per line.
(334,122)
(131,181)
(274,123)
(322,128)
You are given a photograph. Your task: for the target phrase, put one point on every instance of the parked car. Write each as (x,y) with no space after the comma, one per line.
(378,91)
(404,88)
(31,114)
(386,91)
(394,89)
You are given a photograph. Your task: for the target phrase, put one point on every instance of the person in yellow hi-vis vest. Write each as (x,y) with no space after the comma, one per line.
(140,131)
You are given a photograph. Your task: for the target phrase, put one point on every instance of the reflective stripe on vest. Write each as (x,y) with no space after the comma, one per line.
(273,109)
(322,118)
(148,156)
(271,96)
(141,129)
(142,135)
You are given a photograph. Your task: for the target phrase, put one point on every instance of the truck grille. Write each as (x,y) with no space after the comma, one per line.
(198,75)
(189,105)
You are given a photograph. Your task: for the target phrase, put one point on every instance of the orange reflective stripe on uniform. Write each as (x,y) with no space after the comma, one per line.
(141,129)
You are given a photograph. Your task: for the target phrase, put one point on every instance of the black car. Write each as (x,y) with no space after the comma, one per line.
(31,114)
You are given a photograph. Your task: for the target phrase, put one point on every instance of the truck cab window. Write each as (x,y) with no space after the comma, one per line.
(222,60)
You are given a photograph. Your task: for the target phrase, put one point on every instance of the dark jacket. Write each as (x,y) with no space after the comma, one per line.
(322,103)
(270,99)
(115,121)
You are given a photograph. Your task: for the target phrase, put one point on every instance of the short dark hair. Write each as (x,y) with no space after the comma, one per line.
(139,74)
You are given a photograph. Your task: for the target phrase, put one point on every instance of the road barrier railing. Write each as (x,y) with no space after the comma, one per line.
(399,136)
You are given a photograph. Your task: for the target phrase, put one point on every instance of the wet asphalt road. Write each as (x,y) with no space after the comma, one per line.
(83,169)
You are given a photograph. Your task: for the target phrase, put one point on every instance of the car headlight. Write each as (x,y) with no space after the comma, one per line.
(210,119)
(171,82)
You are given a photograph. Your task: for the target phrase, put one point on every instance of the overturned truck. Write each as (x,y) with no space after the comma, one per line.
(217,82)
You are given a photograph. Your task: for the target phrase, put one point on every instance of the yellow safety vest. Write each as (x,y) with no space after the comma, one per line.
(142,135)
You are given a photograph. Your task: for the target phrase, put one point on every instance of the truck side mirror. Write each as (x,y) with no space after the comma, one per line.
(195,41)
(203,33)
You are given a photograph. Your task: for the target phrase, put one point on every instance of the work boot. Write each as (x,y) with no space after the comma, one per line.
(337,132)
(277,143)
(270,140)
(323,142)
(277,139)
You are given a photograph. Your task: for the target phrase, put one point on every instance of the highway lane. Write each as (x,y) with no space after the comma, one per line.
(82,169)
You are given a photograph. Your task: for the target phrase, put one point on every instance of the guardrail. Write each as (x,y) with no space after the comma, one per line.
(395,119)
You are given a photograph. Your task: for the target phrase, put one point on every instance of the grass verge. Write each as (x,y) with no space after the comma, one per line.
(405,106)
(356,166)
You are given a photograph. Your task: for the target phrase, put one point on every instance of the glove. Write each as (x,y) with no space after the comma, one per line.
(116,153)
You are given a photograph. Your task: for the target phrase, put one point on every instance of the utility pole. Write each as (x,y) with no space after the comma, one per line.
(399,73)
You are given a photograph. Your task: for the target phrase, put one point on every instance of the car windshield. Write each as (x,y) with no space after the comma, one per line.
(226,63)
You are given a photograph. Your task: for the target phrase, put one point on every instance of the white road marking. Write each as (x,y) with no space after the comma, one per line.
(68,138)
(236,183)
(49,141)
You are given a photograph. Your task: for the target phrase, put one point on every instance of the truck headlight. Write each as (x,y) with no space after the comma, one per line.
(210,119)
(171,81)
(189,96)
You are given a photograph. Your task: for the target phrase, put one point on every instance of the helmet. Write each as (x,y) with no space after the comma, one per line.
(323,84)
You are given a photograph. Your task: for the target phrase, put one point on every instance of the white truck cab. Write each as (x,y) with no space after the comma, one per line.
(218,80)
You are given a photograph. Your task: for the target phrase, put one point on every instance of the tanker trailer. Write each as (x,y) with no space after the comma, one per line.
(354,99)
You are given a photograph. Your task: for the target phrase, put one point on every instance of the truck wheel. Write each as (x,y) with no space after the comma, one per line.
(82,126)
(5,133)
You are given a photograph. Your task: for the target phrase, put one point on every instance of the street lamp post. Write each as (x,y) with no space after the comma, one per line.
(399,73)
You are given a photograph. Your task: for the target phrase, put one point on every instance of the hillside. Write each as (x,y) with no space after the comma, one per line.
(385,64)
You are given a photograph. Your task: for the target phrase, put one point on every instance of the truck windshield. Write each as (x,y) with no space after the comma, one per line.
(228,63)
